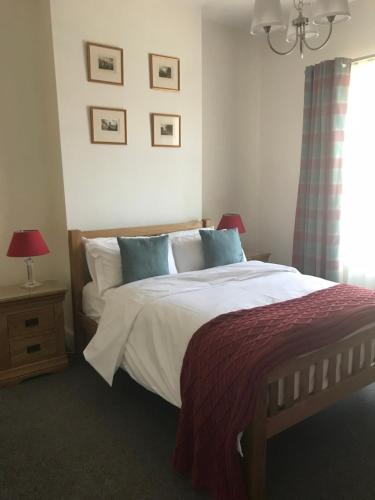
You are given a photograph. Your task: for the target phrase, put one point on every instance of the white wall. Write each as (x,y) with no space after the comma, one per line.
(219,45)
(282,91)
(112,186)
(31,187)
(231,106)
(248,111)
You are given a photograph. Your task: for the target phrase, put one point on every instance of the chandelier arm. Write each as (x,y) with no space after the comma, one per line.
(325,41)
(278,52)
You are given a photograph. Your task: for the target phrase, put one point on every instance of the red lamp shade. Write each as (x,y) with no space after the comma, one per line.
(27,244)
(230,221)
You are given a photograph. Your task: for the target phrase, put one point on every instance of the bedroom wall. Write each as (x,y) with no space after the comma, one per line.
(231,106)
(111,186)
(219,45)
(31,187)
(281,125)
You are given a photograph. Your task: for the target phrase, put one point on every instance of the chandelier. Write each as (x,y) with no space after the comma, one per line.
(305,18)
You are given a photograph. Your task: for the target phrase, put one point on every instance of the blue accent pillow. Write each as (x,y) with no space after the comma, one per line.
(143,257)
(221,247)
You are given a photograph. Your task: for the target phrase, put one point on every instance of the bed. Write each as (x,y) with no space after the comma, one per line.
(290,393)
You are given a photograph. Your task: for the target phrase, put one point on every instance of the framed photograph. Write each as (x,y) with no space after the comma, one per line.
(108,126)
(105,64)
(165,130)
(164,72)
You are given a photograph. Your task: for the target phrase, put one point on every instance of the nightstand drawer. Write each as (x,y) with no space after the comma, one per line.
(30,349)
(32,321)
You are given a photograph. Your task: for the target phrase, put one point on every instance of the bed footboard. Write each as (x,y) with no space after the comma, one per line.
(313,382)
(301,388)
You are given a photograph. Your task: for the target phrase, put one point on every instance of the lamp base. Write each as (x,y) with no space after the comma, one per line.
(31,284)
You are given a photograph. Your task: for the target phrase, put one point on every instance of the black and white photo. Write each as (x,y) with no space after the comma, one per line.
(164,72)
(165,130)
(105,64)
(108,125)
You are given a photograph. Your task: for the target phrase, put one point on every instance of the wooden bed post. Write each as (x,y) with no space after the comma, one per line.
(256,449)
(77,273)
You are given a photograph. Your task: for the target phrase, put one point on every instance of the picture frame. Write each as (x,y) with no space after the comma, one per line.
(105,64)
(165,130)
(108,126)
(164,72)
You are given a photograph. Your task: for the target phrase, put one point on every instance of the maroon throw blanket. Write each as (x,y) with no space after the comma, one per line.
(226,360)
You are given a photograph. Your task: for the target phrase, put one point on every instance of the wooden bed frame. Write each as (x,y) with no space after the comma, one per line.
(348,364)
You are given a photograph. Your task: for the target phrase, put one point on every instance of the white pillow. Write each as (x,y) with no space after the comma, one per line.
(90,260)
(188,249)
(188,253)
(104,262)
(189,232)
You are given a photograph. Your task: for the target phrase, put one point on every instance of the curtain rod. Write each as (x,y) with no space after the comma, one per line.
(371,56)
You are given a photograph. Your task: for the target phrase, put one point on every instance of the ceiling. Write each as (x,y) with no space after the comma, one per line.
(232,12)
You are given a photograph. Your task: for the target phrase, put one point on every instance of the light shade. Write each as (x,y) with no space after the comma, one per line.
(230,221)
(312,30)
(27,243)
(324,8)
(266,13)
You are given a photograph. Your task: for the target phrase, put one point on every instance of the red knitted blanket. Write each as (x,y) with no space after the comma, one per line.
(228,357)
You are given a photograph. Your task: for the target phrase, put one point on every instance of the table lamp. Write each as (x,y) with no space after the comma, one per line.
(230,221)
(28,243)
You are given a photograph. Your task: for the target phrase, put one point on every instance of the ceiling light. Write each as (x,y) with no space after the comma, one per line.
(304,18)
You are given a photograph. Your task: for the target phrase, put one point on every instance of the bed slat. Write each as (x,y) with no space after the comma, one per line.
(318,379)
(304,381)
(332,366)
(345,364)
(356,366)
(368,354)
(289,391)
(273,399)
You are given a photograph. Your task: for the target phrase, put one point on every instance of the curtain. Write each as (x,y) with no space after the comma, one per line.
(357,245)
(317,225)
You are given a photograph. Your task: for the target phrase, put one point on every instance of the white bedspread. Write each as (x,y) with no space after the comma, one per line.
(146,325)
(92,302)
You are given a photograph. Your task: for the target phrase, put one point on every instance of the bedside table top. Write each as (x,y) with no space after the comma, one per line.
(17,292)
(253,254)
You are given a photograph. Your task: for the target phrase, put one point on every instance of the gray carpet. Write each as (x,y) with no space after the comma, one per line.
(70,436)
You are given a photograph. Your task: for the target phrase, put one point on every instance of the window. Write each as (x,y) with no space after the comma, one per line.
(357,247)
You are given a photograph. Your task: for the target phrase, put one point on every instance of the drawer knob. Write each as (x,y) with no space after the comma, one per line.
(29,323)
(33,348)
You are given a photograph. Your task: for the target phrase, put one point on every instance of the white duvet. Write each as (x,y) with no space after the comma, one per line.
(146,325)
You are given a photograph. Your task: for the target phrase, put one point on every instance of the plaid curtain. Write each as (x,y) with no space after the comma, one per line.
(317,225)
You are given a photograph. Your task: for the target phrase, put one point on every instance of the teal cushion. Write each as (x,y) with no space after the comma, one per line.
(221,247)
(143,257)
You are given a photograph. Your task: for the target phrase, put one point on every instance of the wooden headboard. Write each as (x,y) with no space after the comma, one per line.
(84,327)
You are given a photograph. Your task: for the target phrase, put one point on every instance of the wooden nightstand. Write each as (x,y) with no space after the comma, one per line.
(31,331)
(257,255)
